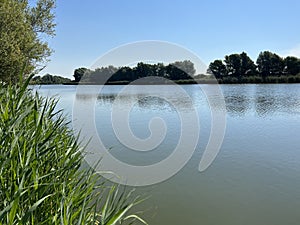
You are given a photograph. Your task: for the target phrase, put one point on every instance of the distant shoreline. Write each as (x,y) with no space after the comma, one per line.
(183,82)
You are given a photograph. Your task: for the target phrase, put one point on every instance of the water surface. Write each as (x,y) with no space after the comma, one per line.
(255,178)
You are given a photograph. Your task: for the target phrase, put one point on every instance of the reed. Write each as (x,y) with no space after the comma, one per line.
(41,176)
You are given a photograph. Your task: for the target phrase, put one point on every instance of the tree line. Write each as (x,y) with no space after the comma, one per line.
(179,70)
(49,79)
(268,68)
(24,28)
(235,68)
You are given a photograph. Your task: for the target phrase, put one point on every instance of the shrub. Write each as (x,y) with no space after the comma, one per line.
(230,80)
(252,79)
(291,79)
(297,78)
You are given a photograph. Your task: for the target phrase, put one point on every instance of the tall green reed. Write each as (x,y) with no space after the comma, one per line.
(41,175)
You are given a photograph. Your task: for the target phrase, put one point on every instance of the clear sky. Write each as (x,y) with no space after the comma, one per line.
(211,28)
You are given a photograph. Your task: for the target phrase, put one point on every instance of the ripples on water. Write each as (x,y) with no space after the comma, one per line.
(255,180)
(262,99)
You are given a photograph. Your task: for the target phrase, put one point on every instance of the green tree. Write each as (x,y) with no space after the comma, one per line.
(239,65)
(292,65)
(218,69)
(269,64)
(180,70)
(125,74)
(23,30)
(248,67)
(101,75)
(233,64)
(186,66)
(160,70)
(79,72)
(144,70)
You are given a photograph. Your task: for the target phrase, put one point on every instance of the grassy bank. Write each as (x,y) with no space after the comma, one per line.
(41,178)
(261,80)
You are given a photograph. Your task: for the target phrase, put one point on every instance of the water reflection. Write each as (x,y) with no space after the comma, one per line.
(241,100)
(146,102)
(145,97)
(265,105)
(261,100)
(237,105)
(155,103)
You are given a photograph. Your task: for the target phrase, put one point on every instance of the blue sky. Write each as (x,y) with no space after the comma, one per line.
(211,29)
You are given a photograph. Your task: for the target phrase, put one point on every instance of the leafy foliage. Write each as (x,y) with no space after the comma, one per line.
(269,64)
(78,73)
(269,68)
(49,79)
(292,65)
(180,70)
(218,69)
(23,30)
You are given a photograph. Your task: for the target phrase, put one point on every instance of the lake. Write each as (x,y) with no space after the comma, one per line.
(255,178)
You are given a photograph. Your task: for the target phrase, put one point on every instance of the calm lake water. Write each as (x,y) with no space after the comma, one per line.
(254,180)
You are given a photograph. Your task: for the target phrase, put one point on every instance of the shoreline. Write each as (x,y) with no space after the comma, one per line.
(184,82)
